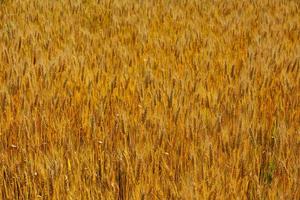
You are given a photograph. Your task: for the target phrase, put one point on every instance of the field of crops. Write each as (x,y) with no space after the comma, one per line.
(156,99)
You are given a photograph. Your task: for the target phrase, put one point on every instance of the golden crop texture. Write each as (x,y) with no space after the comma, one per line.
(154,99)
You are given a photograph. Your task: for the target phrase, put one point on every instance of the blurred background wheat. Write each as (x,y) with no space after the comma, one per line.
(128,99)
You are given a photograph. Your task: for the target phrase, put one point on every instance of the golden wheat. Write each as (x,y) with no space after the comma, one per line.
(128,99)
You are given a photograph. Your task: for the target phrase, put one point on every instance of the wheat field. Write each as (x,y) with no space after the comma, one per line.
(156,99)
